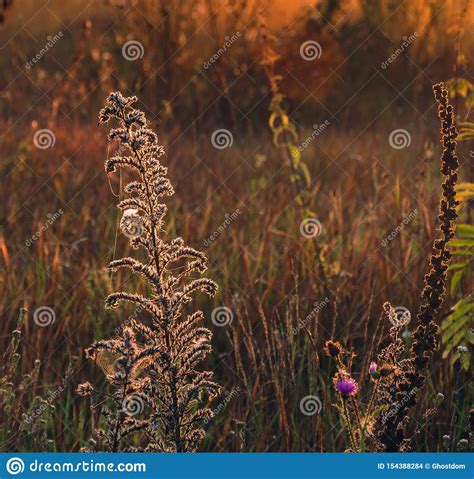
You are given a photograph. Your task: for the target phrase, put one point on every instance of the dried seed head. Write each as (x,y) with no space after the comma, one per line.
(85,389)
(333,348)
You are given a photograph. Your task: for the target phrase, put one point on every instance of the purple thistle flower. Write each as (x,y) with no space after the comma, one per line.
(373,370)
(347,387)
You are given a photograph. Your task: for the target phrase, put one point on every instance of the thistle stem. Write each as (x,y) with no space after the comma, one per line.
(349,424)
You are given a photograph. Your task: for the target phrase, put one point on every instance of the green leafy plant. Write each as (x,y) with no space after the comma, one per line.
(457,329)
(285,136)
(457,326)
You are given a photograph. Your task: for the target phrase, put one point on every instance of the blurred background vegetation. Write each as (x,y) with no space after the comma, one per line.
(178,37)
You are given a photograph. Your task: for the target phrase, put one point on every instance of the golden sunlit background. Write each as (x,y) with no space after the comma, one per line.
(272,113)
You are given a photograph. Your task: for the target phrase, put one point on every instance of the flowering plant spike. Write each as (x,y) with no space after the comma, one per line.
(160,397)
(397,376)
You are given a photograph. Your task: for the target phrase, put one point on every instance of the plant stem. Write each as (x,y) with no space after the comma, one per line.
(174,394)
(349,424)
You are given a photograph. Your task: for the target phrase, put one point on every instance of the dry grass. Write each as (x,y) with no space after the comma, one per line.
(260,261)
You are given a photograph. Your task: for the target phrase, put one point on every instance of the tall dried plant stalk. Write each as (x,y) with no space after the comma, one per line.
(397,377)
(159,396)
(391,434)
